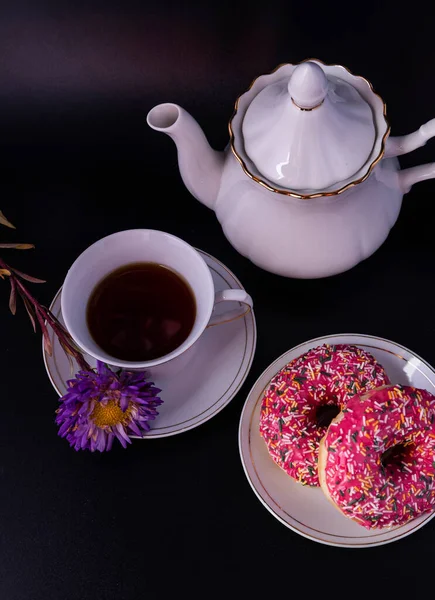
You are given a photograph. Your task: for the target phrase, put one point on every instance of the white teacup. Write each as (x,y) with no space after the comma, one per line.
(144,245)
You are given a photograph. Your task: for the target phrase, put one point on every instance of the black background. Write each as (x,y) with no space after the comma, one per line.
(77,162)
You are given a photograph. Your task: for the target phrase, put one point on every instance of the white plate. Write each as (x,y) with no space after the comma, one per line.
(303,509)
(216,372)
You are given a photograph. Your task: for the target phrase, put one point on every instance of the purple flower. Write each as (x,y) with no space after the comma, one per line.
(102,405)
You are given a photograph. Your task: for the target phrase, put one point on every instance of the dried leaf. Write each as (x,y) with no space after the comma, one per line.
(4,272)
(18,246)
(67,350)
(70,357)
(74,346)
(62,329)
(28,277)
(72,369)
(13,297)
(47,344)
(30,312)
(4,221)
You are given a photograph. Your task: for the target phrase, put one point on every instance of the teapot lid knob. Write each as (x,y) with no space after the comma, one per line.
(308,85)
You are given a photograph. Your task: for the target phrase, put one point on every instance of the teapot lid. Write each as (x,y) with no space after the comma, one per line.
(309,131)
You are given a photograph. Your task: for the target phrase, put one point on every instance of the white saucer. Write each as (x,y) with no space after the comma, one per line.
(306,510)
(216,372)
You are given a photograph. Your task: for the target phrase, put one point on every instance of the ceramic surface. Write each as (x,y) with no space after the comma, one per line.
(195,392)
(303,509)
(330,133)
(138,245)
(297,233)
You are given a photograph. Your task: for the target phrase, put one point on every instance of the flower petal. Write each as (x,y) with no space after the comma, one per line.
(110,438)
(124,403)
(121,439)
(132,425)
(120,428)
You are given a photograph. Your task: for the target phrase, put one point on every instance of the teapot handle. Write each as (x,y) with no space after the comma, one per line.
(407,177)
(402,144)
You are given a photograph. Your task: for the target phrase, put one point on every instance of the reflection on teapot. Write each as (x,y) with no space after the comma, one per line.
(310,184)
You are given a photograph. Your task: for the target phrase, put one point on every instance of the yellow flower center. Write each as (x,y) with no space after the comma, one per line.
(110,414)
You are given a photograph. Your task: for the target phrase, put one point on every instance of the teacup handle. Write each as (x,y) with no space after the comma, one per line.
(231,315)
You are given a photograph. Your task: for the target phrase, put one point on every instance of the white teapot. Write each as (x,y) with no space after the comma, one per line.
(310,184)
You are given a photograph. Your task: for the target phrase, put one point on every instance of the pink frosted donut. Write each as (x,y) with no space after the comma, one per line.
(376,461)
(294,417)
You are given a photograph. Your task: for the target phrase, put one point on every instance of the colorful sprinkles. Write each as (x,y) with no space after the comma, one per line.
(375,489)
(326,375)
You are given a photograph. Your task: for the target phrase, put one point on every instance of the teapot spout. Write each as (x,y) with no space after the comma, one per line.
(200,166)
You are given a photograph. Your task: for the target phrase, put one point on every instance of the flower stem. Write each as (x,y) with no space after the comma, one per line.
(44,317)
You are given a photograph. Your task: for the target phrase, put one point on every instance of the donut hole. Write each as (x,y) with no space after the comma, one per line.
(396,456)
(325,413)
